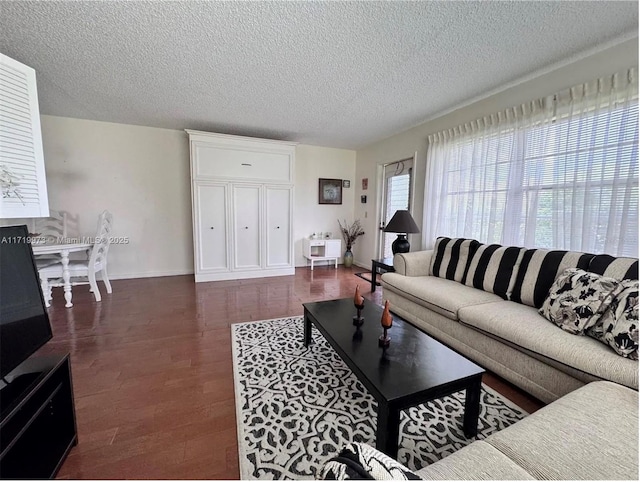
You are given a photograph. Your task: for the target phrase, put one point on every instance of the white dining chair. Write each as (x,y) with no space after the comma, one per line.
(52,227)
(59,226)
(83,272)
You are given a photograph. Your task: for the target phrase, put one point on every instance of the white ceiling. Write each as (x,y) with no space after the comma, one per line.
(340,74)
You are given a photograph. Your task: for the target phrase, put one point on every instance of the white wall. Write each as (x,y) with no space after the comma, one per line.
(141,175)
(312,163)
(414,141)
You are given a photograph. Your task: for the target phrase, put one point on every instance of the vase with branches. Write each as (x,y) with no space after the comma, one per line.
(350,232)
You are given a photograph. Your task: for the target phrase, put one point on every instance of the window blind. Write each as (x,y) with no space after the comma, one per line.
(542,179)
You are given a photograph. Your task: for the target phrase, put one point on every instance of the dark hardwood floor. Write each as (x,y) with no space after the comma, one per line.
(152,369)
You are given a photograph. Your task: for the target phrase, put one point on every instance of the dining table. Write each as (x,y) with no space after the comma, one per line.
(63,250)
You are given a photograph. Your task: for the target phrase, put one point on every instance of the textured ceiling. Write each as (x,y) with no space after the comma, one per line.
(340,74)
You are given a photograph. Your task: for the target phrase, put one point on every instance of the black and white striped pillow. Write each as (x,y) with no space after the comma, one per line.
(612,267)
(493,268)
(451,257)
(538,270)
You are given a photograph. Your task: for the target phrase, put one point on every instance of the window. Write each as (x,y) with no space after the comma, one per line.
(563,177)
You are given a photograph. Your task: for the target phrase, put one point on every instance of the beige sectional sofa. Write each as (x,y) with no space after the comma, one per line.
(589,430)
(589,434)
(506,337)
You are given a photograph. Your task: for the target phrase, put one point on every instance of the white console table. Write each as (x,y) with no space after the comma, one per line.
(322,250)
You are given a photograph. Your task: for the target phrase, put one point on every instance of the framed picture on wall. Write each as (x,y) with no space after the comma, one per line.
(329,191)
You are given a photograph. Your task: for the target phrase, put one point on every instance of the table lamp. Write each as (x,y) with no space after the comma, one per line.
(401,223)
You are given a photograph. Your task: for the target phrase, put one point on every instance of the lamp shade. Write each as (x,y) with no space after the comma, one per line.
(402,222)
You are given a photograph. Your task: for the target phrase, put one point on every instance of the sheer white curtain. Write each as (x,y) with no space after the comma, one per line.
(558,172)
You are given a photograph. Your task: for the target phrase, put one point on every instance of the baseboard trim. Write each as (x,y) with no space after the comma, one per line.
(151,274)
(182,272)
(235,275)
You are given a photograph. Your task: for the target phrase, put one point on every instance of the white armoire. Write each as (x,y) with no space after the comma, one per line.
(242,201)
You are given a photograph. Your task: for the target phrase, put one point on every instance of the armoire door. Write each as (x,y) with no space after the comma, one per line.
(278,226)
(212,227)
(246,227)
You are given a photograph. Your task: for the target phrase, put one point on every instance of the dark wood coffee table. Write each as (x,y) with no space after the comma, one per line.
(383,265)
(413,370)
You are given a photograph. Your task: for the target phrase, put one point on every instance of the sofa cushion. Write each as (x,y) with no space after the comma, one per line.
(618,268)
(522,326)
(538,270)
(577,300)
(590,433)
(451,257)
(476,461)
(493,268)
(618,327)
(438,294)
(416,263)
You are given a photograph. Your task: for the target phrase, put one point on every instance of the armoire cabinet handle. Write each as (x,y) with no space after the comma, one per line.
(246,227)
(277,227)
(211,227)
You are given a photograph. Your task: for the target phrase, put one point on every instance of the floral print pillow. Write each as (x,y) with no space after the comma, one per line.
(618,327)
(358,461)
(577,300)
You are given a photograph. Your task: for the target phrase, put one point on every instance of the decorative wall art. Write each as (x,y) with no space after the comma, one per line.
(365,183)
(346,183)
(329,191)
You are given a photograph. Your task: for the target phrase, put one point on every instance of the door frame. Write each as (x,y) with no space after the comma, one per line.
(380,202)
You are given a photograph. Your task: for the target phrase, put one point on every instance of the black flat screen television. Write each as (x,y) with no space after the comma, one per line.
(24,322)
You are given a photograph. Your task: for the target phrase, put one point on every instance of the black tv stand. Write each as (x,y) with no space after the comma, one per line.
(37,418)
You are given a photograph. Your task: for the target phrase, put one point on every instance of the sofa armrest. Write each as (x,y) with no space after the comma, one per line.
(361,461)
(413,264)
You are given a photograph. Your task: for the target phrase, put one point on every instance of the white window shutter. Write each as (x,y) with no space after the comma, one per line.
(21,155)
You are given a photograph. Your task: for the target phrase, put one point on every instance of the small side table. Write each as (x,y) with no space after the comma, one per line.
(322,250)
(380,266)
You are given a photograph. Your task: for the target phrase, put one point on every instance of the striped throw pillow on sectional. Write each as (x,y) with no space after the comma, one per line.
(538,270)
(612,267)
(451,257)
(493,268)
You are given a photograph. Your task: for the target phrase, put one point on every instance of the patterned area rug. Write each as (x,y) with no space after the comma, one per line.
(297,407)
